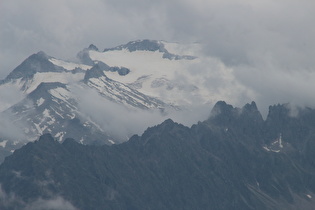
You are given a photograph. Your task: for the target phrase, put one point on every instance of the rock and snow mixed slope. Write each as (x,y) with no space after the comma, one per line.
(43,103)
(118,91)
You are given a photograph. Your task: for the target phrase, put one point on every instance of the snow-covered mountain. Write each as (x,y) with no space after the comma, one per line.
(156,68)
(49,95)
(43,103)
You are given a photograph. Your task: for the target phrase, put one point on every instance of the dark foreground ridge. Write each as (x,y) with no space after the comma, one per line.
(234,160)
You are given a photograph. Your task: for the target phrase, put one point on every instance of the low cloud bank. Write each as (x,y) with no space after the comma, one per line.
(11,201)
(123,122)
(10,128)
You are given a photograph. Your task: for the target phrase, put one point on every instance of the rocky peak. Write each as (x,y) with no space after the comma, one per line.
(278,111)
(223,113)
(251,107)
(92,47)
(95,72)
(142,45)
(294,128)
(149,45)
(246,121)
(38,62)
(42,89)
(46,138)
(84,56)
(250,111)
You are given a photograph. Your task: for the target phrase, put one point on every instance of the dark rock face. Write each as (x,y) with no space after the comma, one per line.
(95,72)
(55,115)
(226,162)
(150,45)
(84,57)
(35,63)
(122,71)
(142,45)
(92,47)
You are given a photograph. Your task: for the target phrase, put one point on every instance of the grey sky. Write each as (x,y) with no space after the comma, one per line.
(269,44)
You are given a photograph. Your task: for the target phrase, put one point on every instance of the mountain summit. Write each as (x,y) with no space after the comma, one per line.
(38,62)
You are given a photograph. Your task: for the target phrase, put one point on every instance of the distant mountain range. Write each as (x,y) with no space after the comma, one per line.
(66,99)
(233,160)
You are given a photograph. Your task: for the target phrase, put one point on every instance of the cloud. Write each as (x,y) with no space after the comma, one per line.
(52,204)
(62,28)
(273,85)
(9,95)
(10,128)
(122,122)
(11,201)
(115,119)
(269,45)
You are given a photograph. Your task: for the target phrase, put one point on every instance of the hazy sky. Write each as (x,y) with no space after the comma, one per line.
(270,44)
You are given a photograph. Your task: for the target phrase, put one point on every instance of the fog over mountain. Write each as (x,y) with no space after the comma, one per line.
(268,45)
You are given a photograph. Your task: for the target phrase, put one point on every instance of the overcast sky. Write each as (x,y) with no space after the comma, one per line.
(270,44)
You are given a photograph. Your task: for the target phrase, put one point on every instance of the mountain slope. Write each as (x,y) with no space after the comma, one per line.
(221,163)
(51,108)
(48,104)
(119,92)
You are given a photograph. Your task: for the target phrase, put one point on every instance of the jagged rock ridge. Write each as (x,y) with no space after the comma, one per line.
(222,163)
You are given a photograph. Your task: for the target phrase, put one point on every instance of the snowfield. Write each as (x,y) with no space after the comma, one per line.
(179,82)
